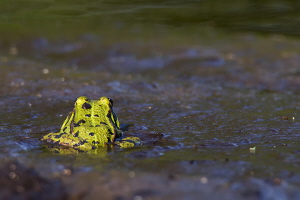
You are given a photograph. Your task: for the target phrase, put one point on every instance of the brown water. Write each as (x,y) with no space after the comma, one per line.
(198,80)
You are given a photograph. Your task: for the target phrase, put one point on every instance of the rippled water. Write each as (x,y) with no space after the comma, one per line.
(201,84)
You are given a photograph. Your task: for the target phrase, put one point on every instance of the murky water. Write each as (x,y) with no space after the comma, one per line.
(215,102)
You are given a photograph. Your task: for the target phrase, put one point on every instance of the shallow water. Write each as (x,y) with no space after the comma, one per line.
(202,89)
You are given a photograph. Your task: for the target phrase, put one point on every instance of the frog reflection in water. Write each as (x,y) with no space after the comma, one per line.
(91,124)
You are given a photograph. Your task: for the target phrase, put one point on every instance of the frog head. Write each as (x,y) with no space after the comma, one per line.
(83,102)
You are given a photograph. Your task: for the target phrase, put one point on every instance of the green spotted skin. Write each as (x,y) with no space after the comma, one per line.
(91,124)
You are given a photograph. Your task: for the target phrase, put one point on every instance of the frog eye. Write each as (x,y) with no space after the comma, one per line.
(111,101)
(80,100)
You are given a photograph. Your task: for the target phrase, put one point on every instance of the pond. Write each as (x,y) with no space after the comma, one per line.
(212,90)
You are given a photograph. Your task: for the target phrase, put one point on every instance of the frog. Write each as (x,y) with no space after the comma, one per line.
(90,125)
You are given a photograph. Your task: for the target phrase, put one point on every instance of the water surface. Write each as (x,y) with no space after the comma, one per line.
(202,82)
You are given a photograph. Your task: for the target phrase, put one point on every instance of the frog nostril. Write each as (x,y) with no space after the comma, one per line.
(88,115)
(86,106)
(96,115)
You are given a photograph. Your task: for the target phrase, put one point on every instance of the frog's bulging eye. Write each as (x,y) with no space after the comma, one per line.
(86,106)
(81,99)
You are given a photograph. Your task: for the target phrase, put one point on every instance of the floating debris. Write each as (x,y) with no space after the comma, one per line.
(252,150)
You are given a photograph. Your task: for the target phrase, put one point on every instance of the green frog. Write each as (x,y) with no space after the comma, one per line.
(90,125)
